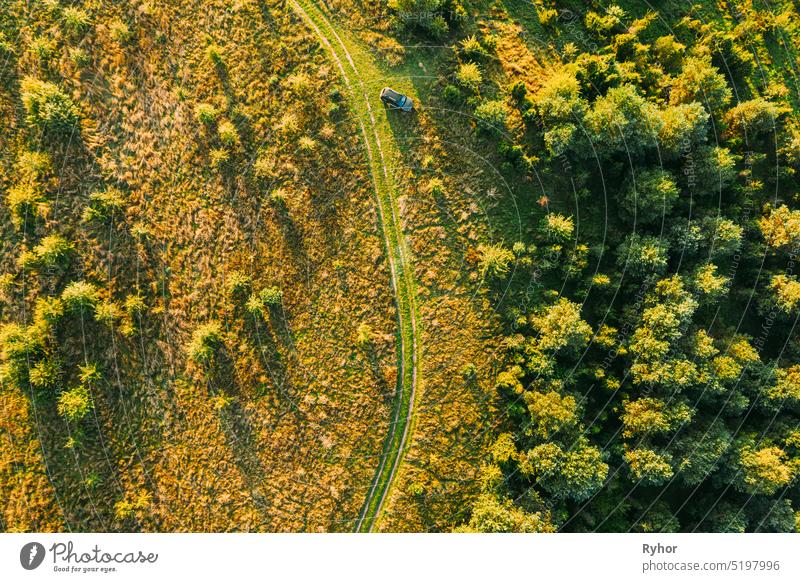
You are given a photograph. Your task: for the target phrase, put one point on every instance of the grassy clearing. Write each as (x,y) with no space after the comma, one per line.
(285,431)
(360,75)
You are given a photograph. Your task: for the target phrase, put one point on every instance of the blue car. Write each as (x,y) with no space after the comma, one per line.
(395,100)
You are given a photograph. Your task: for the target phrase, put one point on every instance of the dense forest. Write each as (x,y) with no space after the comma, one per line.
(238,295)
(652,379)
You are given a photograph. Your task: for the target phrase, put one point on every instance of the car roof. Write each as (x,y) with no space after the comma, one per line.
(391,94)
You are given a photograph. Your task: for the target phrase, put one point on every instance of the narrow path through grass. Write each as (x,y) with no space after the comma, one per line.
(359,71)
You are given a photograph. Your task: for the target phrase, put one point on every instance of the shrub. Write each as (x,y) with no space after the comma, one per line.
(519,90)
(89,374)
(76,21)
(255,306)
(606,24)
(228,134)
(278,197)
(237,284)
(469,76)
(17,343)
(135,305)
(104,205)
(107,312)
(45,374)
(363,335)
(6,285)
(48,311)
(205,343)
(547,17)
(264,167)
(271,296)
(33,166)
(557,227)
(452,94)
(436,187)
(471,47)
(6,47)
(491,116)
(48,108)
(78,56)
(53,251)
(43,49)
(26,200)
(74,404)
(219,158)
(206,113)
(215,54)
(494,260)
(119,31)
(79,296)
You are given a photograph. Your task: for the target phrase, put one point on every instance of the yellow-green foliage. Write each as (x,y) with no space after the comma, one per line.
(75,403)
(206,113)
(504,449)
(79,296)
(558,227)
(781,227)
(228,134)
(469,76)
(26,201)
(550,413)
(650,416)
(709,283)
(787,384)
(700,81)
(206,341)
(52,251)
(493,515)
(48,108)
(495,260)
(765,470)
(786,292)
(648,466)
(104,205)
(560,326)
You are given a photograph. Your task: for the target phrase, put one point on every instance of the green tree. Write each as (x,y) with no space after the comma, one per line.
(623,121)
(48,108)
(650,194)
(205,343)
(648,466)
(700,81)
(763,471)
(754,117)
(494,260)
(643,255)
(493,515)
(560,327)
(550,413)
